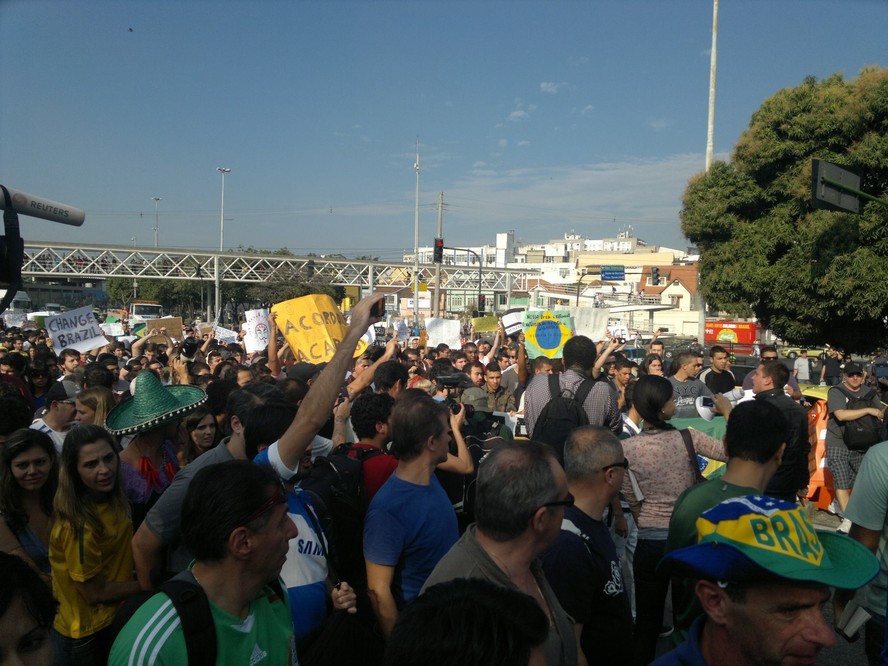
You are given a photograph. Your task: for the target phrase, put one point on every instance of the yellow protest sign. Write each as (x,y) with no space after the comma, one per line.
(485,324)
(545,333)
(314,327)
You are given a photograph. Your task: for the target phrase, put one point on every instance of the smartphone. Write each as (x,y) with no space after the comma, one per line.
(707,402)
(378,309)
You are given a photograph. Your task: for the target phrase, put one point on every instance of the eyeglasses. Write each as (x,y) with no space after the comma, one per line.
(567,501)
(624,464)
(279,496)
(769,358)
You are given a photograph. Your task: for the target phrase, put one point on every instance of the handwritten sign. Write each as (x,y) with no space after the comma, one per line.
(75,329)
(485,324)
(443,330)
(224,335)
(546,332)
(173,326)
(256,330)
(314,327)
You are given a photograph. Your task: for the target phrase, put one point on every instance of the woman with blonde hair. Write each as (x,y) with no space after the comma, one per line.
(90,551)
(92,405)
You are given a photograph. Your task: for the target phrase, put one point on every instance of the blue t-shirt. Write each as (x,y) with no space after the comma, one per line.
(409,527)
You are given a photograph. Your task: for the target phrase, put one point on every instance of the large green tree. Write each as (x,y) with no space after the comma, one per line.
(810,276)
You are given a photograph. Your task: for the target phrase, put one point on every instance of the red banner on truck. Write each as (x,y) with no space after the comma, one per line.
(736,336)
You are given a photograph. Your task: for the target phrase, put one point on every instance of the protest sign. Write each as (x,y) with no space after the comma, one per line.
(173,326)
(29,325)
(485,324)
(75,329)
(256,330)
(112,328)
(512,320)
(14,319)
(443,330)
(591,322)
(314,327)
(546,332)
(224,335)
(403,332)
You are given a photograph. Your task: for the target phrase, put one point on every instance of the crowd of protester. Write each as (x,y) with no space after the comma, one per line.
(178,501)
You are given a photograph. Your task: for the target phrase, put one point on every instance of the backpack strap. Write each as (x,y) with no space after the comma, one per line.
(193,608)
(583,390)
(692,454)
(554,386)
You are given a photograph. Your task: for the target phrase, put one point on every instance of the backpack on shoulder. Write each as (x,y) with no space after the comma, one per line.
(563,413)
(859,434)
(193,608)
(338,480)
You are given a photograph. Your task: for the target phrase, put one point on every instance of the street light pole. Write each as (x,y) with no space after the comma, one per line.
(416,245)
(155,200)
(580,284)
(223,171)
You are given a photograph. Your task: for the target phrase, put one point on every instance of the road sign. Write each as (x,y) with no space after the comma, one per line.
(613,273)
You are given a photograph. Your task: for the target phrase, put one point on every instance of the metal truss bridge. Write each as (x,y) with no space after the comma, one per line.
(96,261)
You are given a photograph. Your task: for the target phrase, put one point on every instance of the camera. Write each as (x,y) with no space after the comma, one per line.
(454,407)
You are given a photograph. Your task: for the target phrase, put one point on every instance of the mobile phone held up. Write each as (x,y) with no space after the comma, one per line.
(378,309)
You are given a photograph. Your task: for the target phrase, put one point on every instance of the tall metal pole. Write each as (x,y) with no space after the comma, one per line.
(416,245)
(712,60)
(437,307)
(223,171)
(155,199)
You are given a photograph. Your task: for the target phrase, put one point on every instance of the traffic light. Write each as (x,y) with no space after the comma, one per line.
(439,250)
(482,302)
(655,276)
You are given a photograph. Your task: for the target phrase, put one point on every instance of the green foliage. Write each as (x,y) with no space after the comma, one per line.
(810,276)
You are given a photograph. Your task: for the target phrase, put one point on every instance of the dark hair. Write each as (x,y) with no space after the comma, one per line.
(219,499)
(716,349)
(682,358)
(19,581)
(777,372)
(15,361)
(580,352)
(369,409)
(96,374)
(644,368)
(755,431)
(415,418)
(68,352)
(514,480)
(73,502)
(769,348)
(456,355)
(467,621)
(388,374)
(15,412)
(217,394)
(263,411)
(20,442)
(189,425)
(542,362)
(651,393)
(442,346)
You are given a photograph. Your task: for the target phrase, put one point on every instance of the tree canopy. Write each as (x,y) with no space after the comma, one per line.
(810,276)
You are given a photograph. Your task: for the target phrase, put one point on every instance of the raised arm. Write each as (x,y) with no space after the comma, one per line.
(274,363)
(366,378)
(318,404)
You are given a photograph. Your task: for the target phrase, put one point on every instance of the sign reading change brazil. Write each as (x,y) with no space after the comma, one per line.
(314,327)
(75,329)
(546,332)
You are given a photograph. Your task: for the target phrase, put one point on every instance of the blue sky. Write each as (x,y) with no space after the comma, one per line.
(542,117)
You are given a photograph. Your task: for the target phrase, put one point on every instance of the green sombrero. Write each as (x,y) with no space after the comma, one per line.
(152,405)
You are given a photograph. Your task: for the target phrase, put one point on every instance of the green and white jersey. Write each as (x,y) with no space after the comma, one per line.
(153,636)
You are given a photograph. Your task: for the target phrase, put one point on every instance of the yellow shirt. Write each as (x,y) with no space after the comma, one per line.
(81,555)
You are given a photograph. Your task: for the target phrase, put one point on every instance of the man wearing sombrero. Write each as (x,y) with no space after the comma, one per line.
(763,577)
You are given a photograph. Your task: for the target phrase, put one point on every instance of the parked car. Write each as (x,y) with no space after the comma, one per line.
(792,352)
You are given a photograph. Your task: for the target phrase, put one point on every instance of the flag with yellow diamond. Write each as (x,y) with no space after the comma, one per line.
(546,332)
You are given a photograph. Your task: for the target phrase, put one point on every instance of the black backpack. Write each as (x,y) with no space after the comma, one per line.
(338,480)
(860,434)
(563,413)
(193,608)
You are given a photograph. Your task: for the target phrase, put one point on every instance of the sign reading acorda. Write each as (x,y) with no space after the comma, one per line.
(313,326)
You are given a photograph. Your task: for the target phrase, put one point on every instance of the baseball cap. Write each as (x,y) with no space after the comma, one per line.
(853,369)
(304,370)
(61,391)
(477,398)
(748,539)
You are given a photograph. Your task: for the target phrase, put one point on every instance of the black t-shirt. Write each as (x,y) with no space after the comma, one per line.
(719,382)
(833,367)
(587,578)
